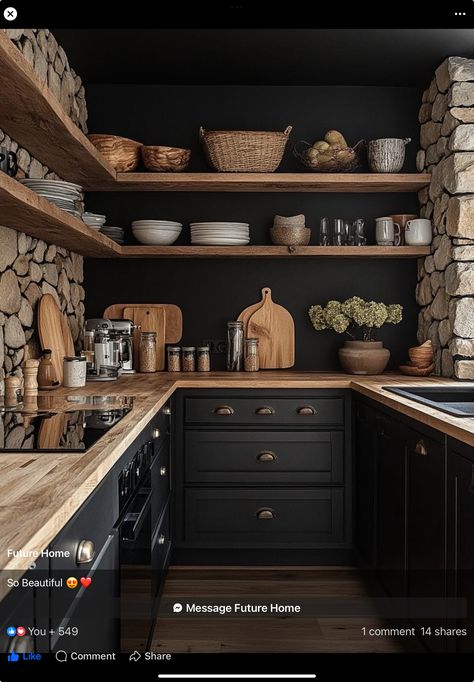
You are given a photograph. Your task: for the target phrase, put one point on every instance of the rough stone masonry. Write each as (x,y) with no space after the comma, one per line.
(445,289)
(29,267)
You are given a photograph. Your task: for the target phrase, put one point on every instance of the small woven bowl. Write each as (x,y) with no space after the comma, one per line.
(290,236)
(290,221)
(165,159)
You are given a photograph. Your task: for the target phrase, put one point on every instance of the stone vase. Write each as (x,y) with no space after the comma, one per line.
(363,357)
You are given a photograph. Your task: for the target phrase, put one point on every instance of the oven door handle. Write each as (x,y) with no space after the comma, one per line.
(133,521)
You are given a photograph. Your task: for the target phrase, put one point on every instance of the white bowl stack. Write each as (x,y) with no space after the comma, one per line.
(220,234)
(94,220)
(113,232)
(156,232)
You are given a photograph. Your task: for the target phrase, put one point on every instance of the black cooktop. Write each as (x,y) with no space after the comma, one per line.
(73,431)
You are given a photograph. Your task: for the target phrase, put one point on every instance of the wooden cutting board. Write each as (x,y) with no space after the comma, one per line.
(247,313)
(54,332)
(274,327)
(174,317)
(151,319)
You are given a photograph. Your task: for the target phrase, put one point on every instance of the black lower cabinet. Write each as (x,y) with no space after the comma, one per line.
(366,466)
(460,583)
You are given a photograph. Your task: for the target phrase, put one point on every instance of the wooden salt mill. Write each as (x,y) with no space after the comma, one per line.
(30,385)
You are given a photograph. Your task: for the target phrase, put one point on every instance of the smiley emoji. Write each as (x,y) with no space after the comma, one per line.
(71,583)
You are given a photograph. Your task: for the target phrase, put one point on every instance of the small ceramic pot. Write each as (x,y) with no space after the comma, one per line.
(387,155)
(363,357)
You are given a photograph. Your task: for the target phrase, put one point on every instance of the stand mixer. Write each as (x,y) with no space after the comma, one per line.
(111,342)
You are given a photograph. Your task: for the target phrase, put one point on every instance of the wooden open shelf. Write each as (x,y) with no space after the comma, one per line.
(274,251)
(32,116)
(25,211)
(267,182)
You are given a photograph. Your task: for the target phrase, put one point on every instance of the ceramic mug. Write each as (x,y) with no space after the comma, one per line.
(8,161)
(387,232)
(387,155)
(418,232)
(402,219)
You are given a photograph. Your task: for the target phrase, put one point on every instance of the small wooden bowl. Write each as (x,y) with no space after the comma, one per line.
(412,371)
(420,357)
(121,152)
(165,159)
(290,236)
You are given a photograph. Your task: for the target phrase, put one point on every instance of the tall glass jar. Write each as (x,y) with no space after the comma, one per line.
(235,346)
(147,352)
(251,359)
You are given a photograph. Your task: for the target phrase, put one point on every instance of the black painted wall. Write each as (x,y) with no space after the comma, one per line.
(210,292)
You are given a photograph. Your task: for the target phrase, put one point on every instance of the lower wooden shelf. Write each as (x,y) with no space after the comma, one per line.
(274,251)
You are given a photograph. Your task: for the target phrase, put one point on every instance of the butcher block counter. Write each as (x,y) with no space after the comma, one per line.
(40,492)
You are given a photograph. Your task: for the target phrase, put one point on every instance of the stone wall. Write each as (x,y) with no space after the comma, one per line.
(446,277)
(40,48)
(29,267)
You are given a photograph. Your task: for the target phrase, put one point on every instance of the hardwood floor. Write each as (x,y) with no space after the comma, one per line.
(320,591)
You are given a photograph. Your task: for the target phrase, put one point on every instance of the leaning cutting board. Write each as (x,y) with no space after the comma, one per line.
(247,313)
(174,317)
(54,332)
(274,327)
(149,320)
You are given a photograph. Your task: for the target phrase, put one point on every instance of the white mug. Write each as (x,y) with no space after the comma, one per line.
(418,232)
(387,232)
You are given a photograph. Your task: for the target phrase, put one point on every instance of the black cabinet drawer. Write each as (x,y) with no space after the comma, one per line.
(264,517)
(229,456)
(264,411)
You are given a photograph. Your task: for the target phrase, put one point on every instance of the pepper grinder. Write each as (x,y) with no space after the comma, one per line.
(30,385)
(12,391)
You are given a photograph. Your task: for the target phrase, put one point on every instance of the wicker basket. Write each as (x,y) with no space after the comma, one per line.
(342,160)
(165,159)
(244,151)
(123,154)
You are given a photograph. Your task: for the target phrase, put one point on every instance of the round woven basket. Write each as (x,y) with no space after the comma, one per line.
(342,160)
(244,151)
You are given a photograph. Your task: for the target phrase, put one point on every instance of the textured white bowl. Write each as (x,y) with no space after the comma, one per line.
(157,239)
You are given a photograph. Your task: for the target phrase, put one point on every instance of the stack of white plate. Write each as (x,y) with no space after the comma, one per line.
(66,195)
(220,234)
(94,220)
(156,232)
(115,233)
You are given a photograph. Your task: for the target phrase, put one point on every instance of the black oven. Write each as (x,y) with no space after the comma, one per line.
(144,540)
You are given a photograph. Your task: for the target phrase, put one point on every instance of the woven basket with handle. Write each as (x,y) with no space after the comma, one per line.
(244,151)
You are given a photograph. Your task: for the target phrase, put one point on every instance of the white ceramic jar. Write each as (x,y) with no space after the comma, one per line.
(74,372)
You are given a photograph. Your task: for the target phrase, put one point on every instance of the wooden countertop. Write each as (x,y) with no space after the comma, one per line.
(40,492)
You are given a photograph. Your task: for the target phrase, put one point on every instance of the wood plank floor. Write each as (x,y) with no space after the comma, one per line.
(265,634)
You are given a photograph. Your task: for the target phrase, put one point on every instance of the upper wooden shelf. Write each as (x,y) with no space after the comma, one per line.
(32,116)
(25,211)
(267,182)
(185,251)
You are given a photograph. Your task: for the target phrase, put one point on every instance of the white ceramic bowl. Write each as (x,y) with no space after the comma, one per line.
(155,230)
(156,238)
(156,223)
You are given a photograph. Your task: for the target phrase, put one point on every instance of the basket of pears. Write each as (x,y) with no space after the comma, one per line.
(331,155)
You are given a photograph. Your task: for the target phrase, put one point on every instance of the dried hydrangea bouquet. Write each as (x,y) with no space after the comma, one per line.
(358,317)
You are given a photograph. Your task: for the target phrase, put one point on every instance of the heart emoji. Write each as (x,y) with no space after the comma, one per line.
(21,631)
(85,582)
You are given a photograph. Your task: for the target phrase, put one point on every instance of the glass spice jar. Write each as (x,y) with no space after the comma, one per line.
(147,352)
(251,359)
(174,359)
(189,359)
(235,346)
(203,359)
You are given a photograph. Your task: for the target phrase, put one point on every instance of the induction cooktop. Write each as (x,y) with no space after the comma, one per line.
(48,431)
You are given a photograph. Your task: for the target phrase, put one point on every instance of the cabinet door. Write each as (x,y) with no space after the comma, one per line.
(426,547)
(391,505)
(366,468)
(460,489)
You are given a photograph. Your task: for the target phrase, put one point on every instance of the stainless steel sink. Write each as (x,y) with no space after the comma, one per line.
(455,400)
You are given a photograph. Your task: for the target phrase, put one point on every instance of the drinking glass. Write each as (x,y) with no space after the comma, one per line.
(358,227)
(349,238)
(338,232)
(324,232)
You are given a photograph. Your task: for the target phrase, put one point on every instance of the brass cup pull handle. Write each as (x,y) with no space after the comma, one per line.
(266,456)
(223,409)
(85,552)
(420,448)
(306,409)
(265,410)
(265,513)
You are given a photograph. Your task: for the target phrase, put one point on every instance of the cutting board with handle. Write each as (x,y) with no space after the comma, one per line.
(54,332)
(247,313)
(152,319)
(174,317)
(274,327)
